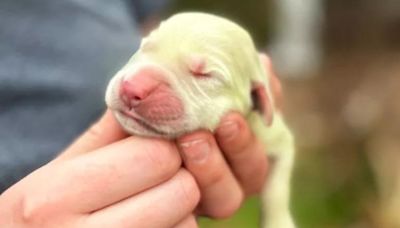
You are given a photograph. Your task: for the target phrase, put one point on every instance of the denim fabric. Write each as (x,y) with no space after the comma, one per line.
(56,58)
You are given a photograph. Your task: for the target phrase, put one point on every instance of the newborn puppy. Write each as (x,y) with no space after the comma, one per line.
(190,72)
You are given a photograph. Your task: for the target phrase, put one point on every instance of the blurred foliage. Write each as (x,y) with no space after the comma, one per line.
(253,14)
(324,195)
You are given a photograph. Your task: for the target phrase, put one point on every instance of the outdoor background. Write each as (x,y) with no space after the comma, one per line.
(339,62)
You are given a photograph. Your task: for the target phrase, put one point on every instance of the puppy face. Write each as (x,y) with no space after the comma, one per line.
(185,76)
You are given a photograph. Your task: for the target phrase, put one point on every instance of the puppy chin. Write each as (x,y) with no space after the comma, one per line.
(134,127)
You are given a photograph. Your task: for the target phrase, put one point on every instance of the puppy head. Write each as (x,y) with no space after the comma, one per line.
(186,75)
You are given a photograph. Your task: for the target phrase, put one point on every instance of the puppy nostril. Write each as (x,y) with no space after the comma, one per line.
(132,91)
(139,87)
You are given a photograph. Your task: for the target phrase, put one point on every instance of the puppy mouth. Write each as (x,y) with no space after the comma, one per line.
(142,124)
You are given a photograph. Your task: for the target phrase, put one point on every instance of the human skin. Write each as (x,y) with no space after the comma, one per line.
(105,151)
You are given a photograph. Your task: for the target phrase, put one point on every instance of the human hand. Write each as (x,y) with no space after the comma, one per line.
(105,179)
(230,165)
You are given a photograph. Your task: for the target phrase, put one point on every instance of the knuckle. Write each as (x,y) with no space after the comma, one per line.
(164,156)
(258,167)
(189,222)
(40,212)
(95,131)
(193,224)
(254,180)
(263,167)
(188,189)
(214,177)
(229,208)
(32,211)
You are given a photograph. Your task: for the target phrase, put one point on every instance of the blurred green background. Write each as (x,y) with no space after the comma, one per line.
(339,62)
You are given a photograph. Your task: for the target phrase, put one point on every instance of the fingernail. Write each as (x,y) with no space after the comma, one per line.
(228,130)
(196,150)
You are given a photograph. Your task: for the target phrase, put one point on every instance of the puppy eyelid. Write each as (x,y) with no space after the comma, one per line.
(200,74)
(197,66)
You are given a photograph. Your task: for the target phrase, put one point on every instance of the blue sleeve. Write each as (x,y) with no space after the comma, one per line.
(142,9)
(56,58)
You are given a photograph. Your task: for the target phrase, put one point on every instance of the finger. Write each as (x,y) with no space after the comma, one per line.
(162,206)
(265,59)
(243,151)
(105,176)
(221,194)
(276,86)
(105,131)
(188,222)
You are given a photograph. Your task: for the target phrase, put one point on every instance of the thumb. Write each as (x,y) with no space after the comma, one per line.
(105,131)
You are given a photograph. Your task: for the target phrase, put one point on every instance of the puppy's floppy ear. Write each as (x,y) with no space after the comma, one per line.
(262,102)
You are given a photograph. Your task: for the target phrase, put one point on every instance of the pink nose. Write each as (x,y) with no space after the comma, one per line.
(135,90)
(147,94)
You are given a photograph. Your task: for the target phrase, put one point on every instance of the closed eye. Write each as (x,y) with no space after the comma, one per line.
(209,77)
(199,74)
(198,66)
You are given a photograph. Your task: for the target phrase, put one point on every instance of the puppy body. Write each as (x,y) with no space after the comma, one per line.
(190,72)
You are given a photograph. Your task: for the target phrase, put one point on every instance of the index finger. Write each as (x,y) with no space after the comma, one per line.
(103,177)
(244,152)
(104,132)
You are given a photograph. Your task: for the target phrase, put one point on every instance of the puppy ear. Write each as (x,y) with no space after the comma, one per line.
(262,102)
